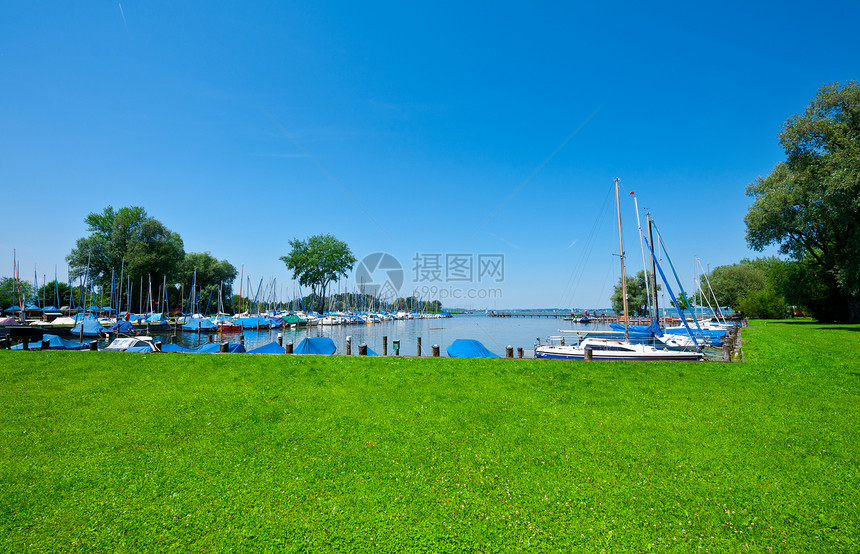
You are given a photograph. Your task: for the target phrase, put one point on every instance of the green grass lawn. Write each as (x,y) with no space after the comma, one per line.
(172,452)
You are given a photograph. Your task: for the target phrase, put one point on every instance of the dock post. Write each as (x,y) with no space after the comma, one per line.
(280,339)
(46,344)
(520,352)
(156,346)
(223,348)
(211,338)
(435,350)
(288,349)
(171,339)
(509,351)
(242,339)
(349,346)
(588,354)
(396,345)
(419,346)
(362,349)
(94,345)
(385,345)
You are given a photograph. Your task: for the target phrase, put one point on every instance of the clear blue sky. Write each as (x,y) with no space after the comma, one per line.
(453,128)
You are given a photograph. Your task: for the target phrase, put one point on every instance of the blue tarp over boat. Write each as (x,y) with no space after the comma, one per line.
(469,348)
(652,330)
(253,322)
(54,343)
(175,348)
(269,348)
(214,348)
(199,324)
(121,326)
(316,345)
(92,328)
(139,349)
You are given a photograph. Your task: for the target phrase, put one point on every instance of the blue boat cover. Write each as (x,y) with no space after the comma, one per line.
(199,323)
(215,347)
(652,330)
(50,309)
(253,322)
(175,348)
(32,308)
(469,348)
(12,309)
(92,328)
(54,343)
(121,326)
(316,345)
(139,349)
(268,348)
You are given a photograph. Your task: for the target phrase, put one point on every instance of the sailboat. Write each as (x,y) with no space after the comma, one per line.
(613,349)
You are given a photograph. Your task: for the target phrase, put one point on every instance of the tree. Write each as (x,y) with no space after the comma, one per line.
(129,236)
(637,295)
(755,287)
(211,274)
(318,261)
(810,204)
(731,283)
(9,290)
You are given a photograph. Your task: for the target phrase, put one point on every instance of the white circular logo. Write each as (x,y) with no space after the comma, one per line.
(379,274)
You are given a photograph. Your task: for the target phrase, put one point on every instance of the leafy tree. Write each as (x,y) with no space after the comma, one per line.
(9,292)
(731,283)
(637,295)
(810,204)
(318,261)
(211,273)
(144,243)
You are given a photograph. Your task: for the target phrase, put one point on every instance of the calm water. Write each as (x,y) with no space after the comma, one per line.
(494,332)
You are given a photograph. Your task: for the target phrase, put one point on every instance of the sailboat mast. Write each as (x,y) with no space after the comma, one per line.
(621,250)
(653,268)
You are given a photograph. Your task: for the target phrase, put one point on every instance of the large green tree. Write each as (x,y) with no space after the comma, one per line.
(128,235)
(637,295)
(211,272)
(810,204)
(318,261)
(755,287)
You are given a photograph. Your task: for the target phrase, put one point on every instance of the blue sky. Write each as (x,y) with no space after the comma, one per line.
(491,128)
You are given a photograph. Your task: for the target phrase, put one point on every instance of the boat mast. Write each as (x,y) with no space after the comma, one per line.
(653,268)
(642,248)
(621,250)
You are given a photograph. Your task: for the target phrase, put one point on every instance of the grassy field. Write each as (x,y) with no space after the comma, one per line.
(171,452)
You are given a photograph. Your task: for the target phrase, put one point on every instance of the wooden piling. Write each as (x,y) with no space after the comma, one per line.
(435,350)
(384,345)
(362,349)
(288,349)
(509,351)
(520,352)
(94,345)
(589,355)
(223,348)
(419,346)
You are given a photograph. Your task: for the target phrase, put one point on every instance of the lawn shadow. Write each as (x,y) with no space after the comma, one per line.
(845,327)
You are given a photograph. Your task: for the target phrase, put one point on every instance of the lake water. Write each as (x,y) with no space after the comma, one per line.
(494,332)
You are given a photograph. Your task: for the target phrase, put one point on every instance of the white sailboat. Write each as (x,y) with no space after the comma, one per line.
(612,349)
